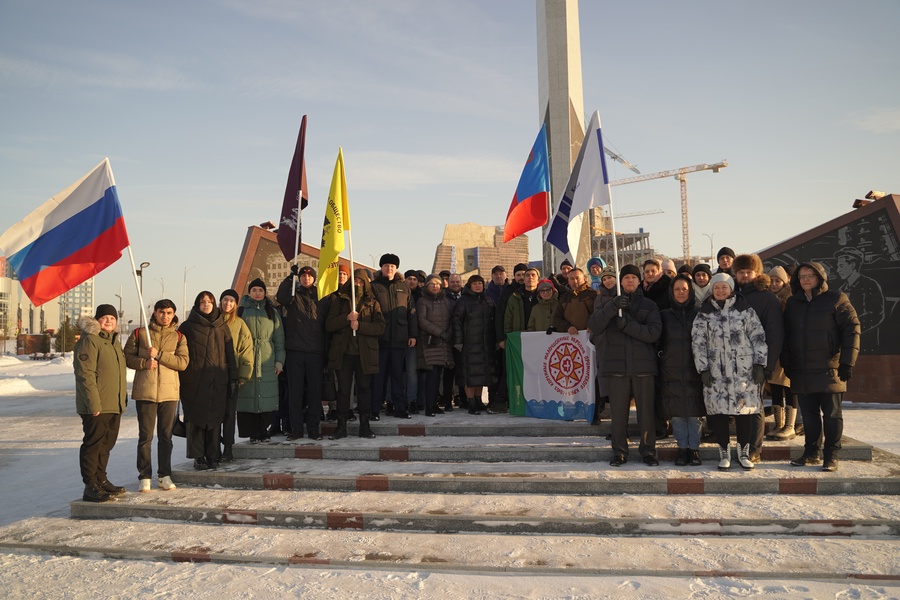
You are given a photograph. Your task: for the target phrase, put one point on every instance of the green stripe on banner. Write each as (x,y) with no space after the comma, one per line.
(515,373)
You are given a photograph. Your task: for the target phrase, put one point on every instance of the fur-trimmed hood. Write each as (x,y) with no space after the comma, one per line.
(88,325)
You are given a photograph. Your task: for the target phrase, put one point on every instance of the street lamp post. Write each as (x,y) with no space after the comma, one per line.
(162,285)
(711,255)
(184,293)
(121,312)
(140,274)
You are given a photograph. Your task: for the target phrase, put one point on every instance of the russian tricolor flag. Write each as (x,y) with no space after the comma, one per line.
(70,238)
(528,209)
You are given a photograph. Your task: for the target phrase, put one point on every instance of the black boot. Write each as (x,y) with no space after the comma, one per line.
(364,430)
(94,493)
(475,406)
(341,431)
(111,488)
(227,454)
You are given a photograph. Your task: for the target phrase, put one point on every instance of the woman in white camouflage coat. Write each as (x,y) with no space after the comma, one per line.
(730,351)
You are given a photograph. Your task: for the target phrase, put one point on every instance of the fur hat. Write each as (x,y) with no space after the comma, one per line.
(389,259)
(411,273)
(258,283)
(231,293)
(106,310)
(725,251)
(630,270)
(747,261)
(779,273)
(722,277)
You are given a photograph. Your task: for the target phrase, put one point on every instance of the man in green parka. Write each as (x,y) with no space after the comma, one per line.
(100,398)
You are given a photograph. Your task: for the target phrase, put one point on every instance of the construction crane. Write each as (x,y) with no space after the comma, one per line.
(618,158)
(678,174)
(640,213)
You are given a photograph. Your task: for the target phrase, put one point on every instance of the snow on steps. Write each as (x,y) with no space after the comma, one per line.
(751,558)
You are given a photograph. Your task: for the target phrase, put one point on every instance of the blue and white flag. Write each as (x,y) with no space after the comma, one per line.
(588,187)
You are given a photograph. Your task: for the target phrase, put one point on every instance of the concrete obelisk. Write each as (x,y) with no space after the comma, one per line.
(561,106)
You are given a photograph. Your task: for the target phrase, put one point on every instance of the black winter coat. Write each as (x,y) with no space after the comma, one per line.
(680,389)
(820,334)
(398,308)
(304,322)
(473,328)
(371,326)
(768,309)
(628,351)
(212,366)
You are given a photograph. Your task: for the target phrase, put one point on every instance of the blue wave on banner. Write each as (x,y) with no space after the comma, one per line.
(560,411)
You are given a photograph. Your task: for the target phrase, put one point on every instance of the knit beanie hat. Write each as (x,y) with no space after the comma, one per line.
(106,310)
(722,277)
(231,293)
(703,268)
(779,273)
(630,270)
(725,251)
(257,283)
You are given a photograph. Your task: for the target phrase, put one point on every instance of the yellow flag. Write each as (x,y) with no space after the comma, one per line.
(337,221)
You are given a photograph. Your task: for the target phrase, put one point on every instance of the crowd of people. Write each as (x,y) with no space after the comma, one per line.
(687,346)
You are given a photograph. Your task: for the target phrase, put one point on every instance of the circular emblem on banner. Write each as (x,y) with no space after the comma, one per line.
(566,366)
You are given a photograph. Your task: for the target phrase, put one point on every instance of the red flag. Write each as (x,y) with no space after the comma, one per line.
(296,197)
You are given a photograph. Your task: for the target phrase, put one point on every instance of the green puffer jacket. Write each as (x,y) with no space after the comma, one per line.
(161,384)
(260,393)
(243,347)
(99,371)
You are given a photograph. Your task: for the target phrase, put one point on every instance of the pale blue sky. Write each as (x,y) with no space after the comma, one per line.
(197,104)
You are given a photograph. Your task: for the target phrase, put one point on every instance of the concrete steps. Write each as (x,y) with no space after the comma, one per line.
(522,514)
(447,494)
(750,558)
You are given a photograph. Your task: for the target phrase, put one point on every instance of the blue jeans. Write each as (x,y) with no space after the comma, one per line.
(686,431)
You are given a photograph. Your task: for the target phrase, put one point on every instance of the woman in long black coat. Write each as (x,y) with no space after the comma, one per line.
(680,389)
(475,339)
(209,378)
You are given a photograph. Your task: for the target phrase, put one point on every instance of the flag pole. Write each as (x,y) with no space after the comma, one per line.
(352,281)
(137,286)
(296,243)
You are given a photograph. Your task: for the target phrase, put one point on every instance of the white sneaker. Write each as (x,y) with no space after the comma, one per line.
(725,457)
(165,483)
(144,485)
(744,457)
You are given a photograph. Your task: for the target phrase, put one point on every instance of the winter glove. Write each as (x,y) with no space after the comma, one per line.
(458,347)
(845,373)
(294,269)
(551,329)
(621,302)
(759,374)
(621,322)
(706,378)
(445,336)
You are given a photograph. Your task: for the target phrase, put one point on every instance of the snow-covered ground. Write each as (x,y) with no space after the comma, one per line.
(39,438)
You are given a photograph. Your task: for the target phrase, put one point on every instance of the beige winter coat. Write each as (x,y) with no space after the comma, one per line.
(160,384)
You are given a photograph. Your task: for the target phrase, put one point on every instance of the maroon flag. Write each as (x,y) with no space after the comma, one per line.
(296,197)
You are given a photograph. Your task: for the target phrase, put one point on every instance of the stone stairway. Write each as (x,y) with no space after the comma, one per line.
(499,494)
